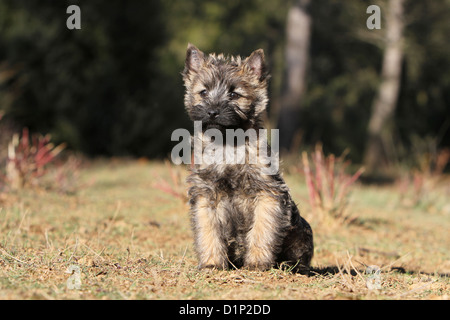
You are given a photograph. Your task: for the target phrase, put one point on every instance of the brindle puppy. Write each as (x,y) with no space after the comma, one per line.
(241,216)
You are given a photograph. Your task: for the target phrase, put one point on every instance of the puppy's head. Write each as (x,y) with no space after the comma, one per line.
(225,92)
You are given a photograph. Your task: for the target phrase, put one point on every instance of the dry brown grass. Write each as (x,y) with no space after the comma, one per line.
(133,241)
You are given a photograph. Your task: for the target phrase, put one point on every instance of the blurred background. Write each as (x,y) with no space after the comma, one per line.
(114,87)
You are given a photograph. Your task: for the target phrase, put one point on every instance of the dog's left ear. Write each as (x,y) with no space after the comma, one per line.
(256,64)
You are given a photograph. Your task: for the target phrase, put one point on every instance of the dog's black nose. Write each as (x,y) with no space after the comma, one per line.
(213,114)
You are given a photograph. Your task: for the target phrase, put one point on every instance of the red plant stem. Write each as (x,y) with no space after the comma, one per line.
(343,189)
(319,165)
(331,175)
(309,182)
(24,143)
(355,176)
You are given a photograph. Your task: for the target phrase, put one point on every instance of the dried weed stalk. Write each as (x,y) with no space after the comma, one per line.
(175,186)
(28,159)
(328,183)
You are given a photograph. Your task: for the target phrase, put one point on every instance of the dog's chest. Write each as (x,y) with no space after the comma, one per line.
(233,179)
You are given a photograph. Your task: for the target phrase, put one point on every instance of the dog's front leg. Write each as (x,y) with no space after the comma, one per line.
(207,224)
(263,239)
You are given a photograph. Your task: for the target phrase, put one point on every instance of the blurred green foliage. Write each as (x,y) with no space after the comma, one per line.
(114,87)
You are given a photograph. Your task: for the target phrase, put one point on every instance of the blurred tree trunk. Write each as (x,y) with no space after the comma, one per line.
(380,124)
(298,31)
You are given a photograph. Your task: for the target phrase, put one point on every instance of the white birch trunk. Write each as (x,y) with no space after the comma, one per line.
(386,101)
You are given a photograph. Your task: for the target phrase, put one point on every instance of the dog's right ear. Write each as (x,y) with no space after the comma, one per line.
(194,59)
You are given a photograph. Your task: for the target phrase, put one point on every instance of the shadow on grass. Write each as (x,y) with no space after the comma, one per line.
(333,270)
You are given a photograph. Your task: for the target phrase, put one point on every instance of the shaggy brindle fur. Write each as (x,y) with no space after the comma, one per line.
(240,216)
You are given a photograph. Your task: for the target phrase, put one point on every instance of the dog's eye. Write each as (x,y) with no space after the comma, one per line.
(233,95)
(204,93)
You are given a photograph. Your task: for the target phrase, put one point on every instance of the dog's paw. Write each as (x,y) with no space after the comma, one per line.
(211,267)
(258,266)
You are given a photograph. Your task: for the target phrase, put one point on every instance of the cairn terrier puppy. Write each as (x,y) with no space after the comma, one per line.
(241,216)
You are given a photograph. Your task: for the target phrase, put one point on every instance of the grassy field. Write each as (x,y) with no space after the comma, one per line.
(131,239)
